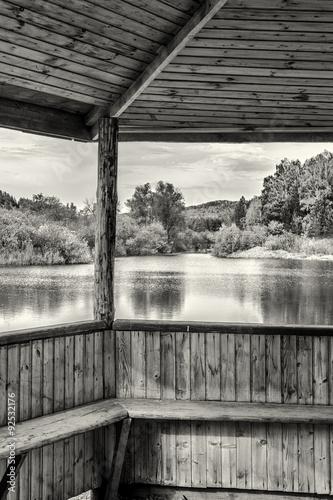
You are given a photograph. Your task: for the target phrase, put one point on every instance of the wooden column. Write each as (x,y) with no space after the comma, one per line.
(106,212)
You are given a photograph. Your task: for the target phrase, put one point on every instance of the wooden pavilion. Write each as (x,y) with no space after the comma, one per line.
(177,410)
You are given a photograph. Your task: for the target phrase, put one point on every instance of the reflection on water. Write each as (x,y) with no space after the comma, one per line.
(182,287)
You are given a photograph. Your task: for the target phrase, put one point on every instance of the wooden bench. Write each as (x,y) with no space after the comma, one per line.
(48,429)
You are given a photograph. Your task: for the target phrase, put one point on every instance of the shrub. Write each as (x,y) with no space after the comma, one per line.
(228,241)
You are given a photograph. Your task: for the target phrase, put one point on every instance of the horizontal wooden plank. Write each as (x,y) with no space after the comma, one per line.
(228,59)
(247,88)
(225,137)
(42,431)
(181,113)
(134,491)
(48,332)
(269,35)
(298,5)
(278,15)
(268,79)
(238,101)
(257,25)
(196,326)
(221,119)
(196,55)
(226,411)
(33,118)
(273,45)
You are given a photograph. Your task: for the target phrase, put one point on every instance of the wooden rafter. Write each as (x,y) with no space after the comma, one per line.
(205,12)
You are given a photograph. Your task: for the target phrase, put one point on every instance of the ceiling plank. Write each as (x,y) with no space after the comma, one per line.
(39,119)
(207,10)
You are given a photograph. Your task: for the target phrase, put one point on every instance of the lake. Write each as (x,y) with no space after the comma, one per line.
(176,287)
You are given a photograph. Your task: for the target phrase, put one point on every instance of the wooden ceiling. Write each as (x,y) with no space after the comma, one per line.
(171,70)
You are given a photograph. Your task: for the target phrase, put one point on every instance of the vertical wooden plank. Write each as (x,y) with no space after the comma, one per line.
(183,429)
(184,467)
(36,468)
(138,384)
(106,212)
(3,397)
(330,361)
(243,368)
(25,409)
(228,367)
(243,393)
(88,384)
(109,363)
(213,367)
(289,369)
(168,391)
(113,484)
(124,390)
(228,393)
(79,444)
(98,464)
(321,432)
(69,403)
(258,368)
(183,376)
(153,390)
(59,404)
(48,400)
(258,394)
(123,362)
(13,375)
(153,349)
(305,431)
(213,392)
(229,455)
(198,392)
(274,395)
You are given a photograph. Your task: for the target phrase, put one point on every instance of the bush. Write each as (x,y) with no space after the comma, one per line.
(285,241)
(228,241)
(254,237)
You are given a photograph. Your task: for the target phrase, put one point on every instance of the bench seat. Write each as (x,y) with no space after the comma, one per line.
(41,431)
(227,411)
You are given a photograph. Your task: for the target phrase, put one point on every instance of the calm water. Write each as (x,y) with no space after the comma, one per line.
(181,287)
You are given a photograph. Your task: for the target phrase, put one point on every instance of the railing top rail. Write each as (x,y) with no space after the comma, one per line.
(242,328)
(84,327)
(47,332)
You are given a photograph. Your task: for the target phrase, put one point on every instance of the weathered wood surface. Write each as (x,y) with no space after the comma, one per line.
(169,493)
(265,380)
(227,328)
(48,332)
(41,431)
(105,237)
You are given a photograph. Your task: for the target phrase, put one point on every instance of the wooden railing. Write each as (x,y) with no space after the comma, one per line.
(51,369)
(55,368)
(225,362)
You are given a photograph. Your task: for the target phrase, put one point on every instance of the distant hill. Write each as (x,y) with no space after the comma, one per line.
(211,215)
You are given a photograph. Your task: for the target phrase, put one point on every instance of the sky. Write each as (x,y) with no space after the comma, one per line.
(32,164)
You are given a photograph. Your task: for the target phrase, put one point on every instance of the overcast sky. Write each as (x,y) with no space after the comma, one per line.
(31,164)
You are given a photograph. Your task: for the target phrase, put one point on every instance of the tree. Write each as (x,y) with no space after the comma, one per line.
(253,213)
(169,208)
(141,204)
(240,213)
(280,200)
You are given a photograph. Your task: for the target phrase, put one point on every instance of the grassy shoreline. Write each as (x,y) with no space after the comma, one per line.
(265,253)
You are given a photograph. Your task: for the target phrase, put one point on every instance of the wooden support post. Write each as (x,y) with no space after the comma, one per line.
(106,212)
(113,483)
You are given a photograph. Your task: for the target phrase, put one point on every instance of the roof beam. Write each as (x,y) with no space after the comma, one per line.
(229,136)
(42,120)
(205,12)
